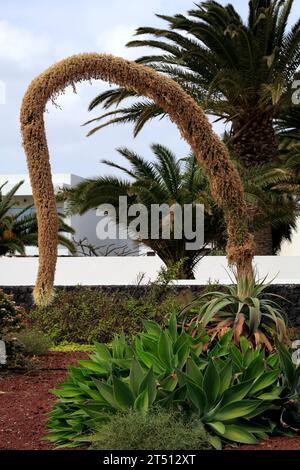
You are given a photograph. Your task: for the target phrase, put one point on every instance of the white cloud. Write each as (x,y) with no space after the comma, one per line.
(19,45)
(114,40)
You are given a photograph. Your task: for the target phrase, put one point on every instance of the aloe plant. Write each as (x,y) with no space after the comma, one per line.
(244,306)
(166,349)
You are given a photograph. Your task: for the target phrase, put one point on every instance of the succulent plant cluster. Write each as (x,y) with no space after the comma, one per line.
(237,392)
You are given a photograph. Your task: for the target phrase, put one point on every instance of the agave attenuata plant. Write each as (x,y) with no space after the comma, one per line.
(244,306)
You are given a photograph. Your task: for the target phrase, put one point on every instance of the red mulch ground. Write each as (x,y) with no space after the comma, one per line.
(24,401)
(275,443)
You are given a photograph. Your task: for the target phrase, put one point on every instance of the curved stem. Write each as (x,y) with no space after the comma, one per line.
(211,152)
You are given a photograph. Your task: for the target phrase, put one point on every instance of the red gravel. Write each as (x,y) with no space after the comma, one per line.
(25,400)
(274,443)
(59,360)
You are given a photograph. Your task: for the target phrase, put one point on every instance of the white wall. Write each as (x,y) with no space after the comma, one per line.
(59,180)
(125,270)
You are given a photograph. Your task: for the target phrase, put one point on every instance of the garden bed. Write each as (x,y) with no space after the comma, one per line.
(275,443)
(25,400)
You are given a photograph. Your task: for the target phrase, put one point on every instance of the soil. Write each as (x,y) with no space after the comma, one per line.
(275,443)
(25,400)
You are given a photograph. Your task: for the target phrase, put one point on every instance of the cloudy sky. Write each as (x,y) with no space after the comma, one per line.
(34,34)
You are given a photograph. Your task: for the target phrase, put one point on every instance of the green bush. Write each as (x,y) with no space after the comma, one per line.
(72,347)
(11,316)
(34,342)
(231,390)
(84,315)
(11,320)
(158,430)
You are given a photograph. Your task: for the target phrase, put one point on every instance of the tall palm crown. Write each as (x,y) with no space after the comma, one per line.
(165,180)
(20,229)
(238,72)
(241,73)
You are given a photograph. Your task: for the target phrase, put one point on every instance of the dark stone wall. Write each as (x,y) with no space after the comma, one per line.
(290,302)
(290,294)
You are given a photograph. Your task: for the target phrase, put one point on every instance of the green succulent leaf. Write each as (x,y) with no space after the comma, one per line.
(237,392)
(102,352)
(141,403)
(172,327)
(93,366)
(197,396)
(211,382)
(135,377)
(122,394)
(235,433)
(264,381)
(165,349)
(106,392)
(217,426)
(235,410)
(255,370)
(225,377)
(286,364)
(149,384)
(193,372)
(152,328)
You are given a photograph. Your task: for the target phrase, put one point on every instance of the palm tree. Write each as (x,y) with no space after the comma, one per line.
(166,180)
(19,229)
(273,192)
(240,73)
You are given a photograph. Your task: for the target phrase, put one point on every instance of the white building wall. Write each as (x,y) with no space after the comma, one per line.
(19,271)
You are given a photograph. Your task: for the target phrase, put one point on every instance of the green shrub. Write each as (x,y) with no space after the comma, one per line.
(11,316)
(158,430)
(230,390)
(84,315)
(34,342)
(72,347)
(11,320)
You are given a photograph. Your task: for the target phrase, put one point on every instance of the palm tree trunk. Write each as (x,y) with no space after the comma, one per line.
(254,142)
(186,273)
(264,242)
